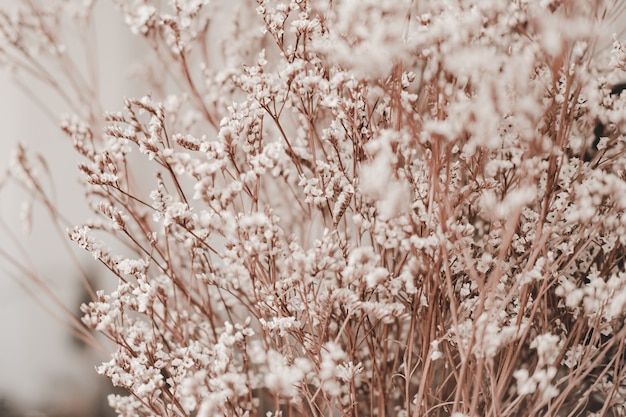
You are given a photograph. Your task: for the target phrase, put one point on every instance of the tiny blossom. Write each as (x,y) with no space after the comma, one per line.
(349,371)
(142,19)
(547,346)
(177,213)
(491,335)
(132,266)
(525,385)
(375,277)
(282,324)
(283,379)
(435,353)
(573,356)
(332,356)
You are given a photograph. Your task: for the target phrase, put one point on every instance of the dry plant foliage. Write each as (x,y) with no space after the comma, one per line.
(351,207)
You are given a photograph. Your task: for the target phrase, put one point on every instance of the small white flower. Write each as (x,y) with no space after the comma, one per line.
(140,20)
(435,353)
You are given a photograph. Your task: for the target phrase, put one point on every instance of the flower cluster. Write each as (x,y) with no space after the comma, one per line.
(345,208)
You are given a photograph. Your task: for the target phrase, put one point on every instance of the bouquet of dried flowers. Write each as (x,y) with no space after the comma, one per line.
(352,208)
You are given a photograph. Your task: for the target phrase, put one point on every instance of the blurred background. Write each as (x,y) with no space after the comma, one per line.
(43,370)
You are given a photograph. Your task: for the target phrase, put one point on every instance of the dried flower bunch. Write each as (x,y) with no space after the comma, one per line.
(354,207)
